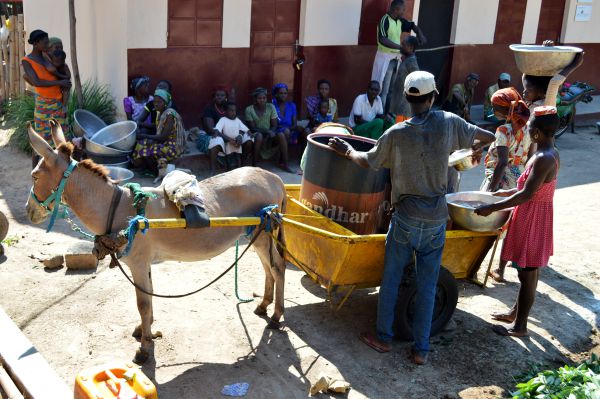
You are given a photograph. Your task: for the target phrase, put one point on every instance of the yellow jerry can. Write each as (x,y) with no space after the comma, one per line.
(114,381)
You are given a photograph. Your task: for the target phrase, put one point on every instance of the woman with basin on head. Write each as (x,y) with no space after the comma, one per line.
(48,89)
(169,140)
(529,241)
(135,103)
(261,118)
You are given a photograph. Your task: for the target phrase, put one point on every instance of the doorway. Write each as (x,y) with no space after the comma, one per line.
(435,20)
(273,36)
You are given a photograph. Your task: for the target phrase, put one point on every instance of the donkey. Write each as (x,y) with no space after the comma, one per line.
(89,192)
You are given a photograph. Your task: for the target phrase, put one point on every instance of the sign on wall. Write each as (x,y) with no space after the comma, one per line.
(583,13)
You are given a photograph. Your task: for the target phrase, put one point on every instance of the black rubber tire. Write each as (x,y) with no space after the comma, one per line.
(3,226)
(445,303)
(563,126)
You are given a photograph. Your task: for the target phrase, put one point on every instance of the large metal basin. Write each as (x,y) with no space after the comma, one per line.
(86,123)
(120,135)
(543,60)
(100,149)
(461,207)
(119,175)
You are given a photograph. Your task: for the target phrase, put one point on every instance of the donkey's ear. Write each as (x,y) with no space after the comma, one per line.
(40,145)
(57,133)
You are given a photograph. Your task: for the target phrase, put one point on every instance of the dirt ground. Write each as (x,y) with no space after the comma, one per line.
(82,319)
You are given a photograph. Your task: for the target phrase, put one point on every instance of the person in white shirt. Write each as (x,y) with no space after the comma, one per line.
(231,137)
(367,117)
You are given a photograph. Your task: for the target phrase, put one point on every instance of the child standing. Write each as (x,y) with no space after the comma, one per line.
(229,136)
(322,116)
(529,243)
(58,58)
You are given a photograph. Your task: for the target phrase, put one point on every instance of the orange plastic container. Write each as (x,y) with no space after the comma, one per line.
(114,381)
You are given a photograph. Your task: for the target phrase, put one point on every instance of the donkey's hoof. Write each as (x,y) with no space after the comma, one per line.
(260,311)
(141,356)
(274,325)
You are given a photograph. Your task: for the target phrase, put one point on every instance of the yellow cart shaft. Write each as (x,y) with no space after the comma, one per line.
(179,223)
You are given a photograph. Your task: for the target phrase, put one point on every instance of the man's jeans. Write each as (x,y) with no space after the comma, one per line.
(424,239)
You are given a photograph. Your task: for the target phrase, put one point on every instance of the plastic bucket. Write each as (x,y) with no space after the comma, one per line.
(350,195)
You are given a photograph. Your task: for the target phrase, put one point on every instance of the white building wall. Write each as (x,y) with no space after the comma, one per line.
(330,22)
(146,23)
(474,21)
(532,19)
(581,31)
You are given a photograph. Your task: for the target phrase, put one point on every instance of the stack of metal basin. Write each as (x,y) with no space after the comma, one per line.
(86,124)
(112,144)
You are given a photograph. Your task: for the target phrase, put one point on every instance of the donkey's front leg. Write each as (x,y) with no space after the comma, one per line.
(143,278)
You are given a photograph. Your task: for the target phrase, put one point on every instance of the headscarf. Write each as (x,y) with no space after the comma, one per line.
(138,82)
(277,87)
(258,91)
(474,76)
(164,94)
(518,112)
(54,40)
(545,110)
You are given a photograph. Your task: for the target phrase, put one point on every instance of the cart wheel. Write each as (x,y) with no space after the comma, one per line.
(3,226)
(446,299)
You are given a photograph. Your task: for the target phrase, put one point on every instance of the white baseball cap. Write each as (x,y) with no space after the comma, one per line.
(419,83)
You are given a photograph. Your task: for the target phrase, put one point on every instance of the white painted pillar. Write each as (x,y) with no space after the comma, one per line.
(532,20)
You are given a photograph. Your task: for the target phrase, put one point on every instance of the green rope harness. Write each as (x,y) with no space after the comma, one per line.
(140,197)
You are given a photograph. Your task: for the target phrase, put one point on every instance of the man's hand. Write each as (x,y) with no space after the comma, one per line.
(485,210)
(339,146)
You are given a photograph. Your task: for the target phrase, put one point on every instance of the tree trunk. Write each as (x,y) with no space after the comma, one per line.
(76,78)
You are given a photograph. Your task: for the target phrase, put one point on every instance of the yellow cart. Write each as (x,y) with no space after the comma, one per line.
(336,258)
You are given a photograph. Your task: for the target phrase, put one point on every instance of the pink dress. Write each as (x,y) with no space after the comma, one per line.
(529,242)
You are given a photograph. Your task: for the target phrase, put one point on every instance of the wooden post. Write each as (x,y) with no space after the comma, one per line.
(12,53)
(21,51)
(5,64)
(76,78)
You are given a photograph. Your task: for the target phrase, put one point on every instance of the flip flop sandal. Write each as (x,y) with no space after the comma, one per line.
(505,332)
(370,341)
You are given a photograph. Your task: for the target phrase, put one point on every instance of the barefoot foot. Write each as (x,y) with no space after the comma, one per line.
(508,331)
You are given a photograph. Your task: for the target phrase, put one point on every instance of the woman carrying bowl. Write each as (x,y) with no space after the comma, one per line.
(169,140)
(529,242)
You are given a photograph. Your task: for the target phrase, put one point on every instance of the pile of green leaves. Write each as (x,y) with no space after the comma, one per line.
(97,99)
(581,382)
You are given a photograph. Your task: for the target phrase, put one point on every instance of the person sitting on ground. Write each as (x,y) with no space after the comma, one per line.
(287,115)
(397,105)
(392,29)
(488,110)
(135,103)
(313,103)
(147,120)
(262,120)
(366,117)
(529,241)
(418,226)
(323,116)
(62,71)
(232,137)
(216,109)
(460,98)
(169,140)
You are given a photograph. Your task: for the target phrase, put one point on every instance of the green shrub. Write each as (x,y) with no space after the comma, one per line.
(567,382)
(97,99)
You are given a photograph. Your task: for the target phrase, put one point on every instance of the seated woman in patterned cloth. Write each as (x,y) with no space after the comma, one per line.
(313,102)
(169,140)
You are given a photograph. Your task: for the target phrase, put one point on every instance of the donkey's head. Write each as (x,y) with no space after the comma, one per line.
(49,170)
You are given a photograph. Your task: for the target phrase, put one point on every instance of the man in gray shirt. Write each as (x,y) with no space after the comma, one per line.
(416,152)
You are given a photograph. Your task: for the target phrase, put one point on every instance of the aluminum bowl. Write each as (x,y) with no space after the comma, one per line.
(124,164)
(100,149)
(543,60)
(463,214)
(107,159)
(120,135)
(462,160)
(119,175)
(86,124)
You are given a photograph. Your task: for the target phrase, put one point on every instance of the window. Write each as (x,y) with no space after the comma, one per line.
(196,23)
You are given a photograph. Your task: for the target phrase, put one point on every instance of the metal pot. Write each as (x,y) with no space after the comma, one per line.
(461,207)
(543,60)
(86,123)
(119,174)
(100,149)
(120,135)
(462,160)
(114,160)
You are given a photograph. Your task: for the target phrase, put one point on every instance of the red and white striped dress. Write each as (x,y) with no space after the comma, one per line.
(529,242)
